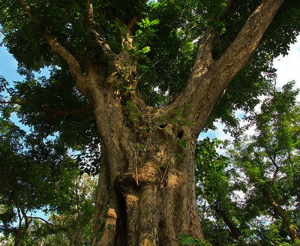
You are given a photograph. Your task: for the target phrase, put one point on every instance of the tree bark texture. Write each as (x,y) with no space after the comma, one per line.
(284,215)
(146,187)
(146,193)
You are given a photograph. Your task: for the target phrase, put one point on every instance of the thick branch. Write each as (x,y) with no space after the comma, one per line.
(56,47)
(66,55)
(239,52)
(235,231)
(131,24)
(204,56)
(210,78)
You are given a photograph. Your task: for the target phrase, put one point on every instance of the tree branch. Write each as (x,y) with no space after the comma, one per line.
(239,52)
(56,112)
(283,214)
(204,57)
(14,102)
(210,78)
(38,218)
(28,12)
(56,47)
(66,55)
(131,24)
(235,231)
(90,21)
(75,111)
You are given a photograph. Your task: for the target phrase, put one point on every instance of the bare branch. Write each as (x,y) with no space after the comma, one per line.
(38,218)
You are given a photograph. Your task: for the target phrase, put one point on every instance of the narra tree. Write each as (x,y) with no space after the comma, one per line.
(149,76)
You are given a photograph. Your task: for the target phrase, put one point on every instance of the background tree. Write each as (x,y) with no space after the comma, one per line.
(71,224)
(39,176)
(147,75)
(264,169)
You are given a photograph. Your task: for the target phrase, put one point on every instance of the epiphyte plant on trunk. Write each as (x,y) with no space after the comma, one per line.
(140,66)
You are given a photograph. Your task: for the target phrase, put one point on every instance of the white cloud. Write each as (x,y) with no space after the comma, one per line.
(288,67)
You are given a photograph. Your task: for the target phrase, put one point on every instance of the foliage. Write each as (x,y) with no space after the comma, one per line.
(264,170)
(188,240)
(166,38)
(32,170)
(72,222)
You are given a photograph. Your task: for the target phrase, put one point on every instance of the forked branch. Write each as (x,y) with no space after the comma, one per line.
(210,78)
(91,24)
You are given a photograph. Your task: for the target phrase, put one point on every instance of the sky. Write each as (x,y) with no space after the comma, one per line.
(288,67)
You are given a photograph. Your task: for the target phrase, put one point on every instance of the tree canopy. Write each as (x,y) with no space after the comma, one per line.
(140,80)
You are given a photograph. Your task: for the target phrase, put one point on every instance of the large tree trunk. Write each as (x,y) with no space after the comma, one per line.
(146,192)
(150,203)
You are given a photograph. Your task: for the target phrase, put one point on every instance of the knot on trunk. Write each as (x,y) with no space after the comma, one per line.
(149,174)
(111,219)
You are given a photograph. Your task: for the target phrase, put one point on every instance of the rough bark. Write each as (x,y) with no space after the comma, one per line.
(235,231)
(283,214)
(146,193)
(146,177)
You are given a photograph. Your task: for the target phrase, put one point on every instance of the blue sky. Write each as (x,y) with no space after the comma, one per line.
(8,66)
